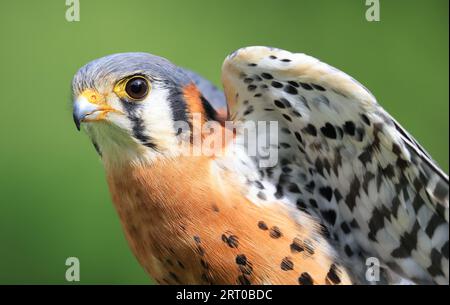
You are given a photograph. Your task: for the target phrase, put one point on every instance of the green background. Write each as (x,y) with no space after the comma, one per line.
(54,201)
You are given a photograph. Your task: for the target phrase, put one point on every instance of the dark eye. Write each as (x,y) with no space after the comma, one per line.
(137,88)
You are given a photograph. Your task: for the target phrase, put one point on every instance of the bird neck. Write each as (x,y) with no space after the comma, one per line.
(163,185)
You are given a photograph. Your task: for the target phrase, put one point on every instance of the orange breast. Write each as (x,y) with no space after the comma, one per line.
(187,226)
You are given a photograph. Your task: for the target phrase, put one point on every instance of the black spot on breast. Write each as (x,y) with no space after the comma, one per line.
(262,225)
(272,57)
(305,279)
(287,264)
(241,259)
(332,275)
(285,60)
(296,246)
(232,241)
(275,232)
(252,65)
(328,131)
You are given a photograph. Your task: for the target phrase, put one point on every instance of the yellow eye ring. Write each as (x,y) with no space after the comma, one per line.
(134,88)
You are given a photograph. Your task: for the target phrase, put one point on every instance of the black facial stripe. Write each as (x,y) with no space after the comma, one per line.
(177,105)
(138,126)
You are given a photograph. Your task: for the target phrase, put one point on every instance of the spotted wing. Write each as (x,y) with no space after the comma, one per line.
(344,160)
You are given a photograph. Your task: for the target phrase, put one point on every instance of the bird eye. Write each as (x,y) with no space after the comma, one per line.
(137,88)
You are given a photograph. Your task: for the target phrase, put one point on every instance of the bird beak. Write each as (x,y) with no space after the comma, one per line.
(90,106)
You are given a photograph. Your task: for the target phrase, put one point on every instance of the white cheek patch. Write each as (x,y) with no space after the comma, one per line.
(157,119)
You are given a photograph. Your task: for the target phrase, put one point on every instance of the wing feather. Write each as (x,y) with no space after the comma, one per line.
(344,160)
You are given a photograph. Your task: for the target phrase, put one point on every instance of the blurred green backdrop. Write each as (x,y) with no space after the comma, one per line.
(54,201)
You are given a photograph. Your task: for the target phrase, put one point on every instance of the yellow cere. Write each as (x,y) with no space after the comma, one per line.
(94,97)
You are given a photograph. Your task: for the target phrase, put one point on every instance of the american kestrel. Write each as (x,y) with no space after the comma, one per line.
(349,185)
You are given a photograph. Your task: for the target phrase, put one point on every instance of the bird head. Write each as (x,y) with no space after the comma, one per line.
(130,104)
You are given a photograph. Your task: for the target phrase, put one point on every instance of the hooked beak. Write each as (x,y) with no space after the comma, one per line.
(90,106)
